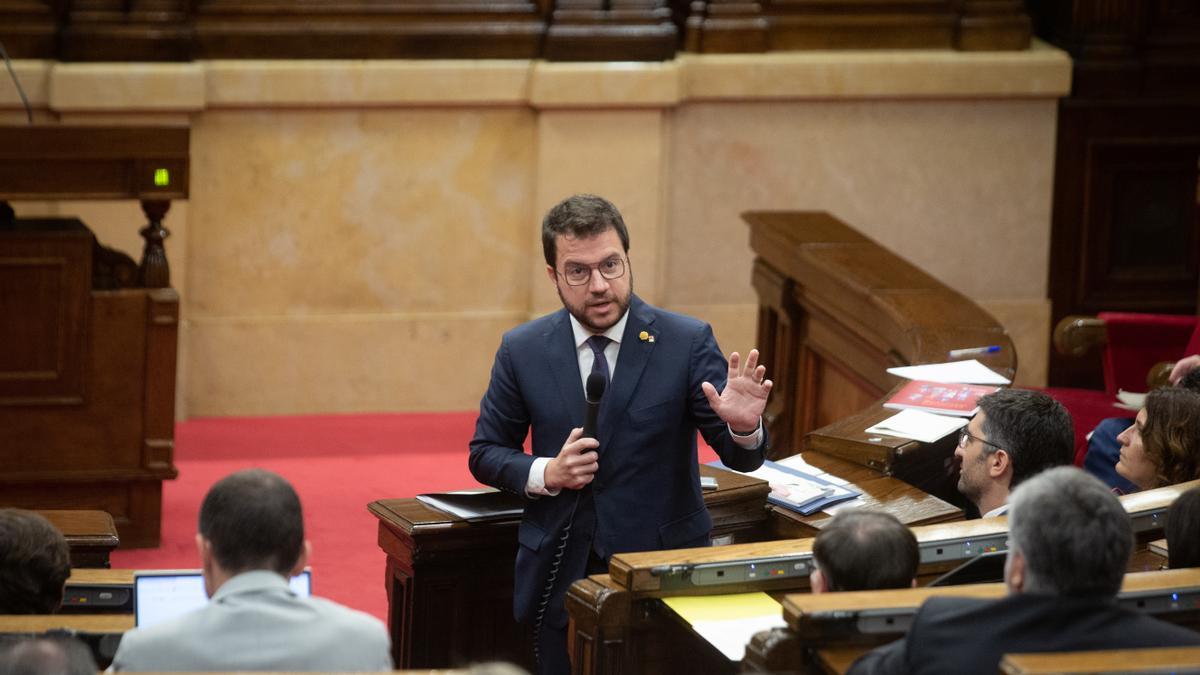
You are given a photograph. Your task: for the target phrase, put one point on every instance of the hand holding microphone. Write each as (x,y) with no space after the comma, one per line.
(576,464)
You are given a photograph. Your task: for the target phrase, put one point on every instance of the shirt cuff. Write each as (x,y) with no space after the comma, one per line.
(535,485)
(749,441)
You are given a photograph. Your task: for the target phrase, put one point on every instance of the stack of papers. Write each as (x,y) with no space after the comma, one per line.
(927,426)
(476,505)
(958,372)
(799,490)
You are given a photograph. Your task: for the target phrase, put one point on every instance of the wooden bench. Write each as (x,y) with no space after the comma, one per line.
(91,535)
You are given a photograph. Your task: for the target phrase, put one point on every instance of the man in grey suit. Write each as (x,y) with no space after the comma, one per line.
(1068,545)
(251,542)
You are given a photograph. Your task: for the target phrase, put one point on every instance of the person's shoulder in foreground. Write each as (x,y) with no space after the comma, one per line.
(1069,544)
(255,622)
(251,540)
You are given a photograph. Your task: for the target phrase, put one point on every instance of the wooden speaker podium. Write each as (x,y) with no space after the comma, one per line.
(88,339)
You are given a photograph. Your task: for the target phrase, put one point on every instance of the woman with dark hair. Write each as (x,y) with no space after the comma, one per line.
(1162,446)
(1183,525)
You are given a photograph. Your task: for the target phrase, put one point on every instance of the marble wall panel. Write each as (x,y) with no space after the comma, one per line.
(342,364)
(342,212)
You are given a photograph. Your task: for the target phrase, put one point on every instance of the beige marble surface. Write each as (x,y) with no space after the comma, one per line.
(352,223)
(126,86)
(605,85)
(365,83)
(905,74)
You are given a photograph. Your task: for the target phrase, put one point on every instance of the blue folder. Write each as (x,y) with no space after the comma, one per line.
(834,493)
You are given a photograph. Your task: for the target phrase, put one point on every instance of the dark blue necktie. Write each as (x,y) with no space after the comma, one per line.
(600,363)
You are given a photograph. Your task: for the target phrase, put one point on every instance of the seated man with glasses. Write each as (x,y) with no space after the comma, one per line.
(1016,434)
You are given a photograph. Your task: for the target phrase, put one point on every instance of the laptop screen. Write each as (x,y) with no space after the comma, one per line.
(161,595)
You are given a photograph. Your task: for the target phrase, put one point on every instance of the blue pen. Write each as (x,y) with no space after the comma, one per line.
(974,351)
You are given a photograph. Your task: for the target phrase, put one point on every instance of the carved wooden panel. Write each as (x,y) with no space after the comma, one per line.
(45,274)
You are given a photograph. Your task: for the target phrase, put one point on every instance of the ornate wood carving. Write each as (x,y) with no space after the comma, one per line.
(154,272)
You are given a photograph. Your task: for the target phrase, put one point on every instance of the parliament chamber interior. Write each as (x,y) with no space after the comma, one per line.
(223,224)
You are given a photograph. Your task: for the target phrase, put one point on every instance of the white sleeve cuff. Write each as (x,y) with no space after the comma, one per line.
(535,485)
(753,440)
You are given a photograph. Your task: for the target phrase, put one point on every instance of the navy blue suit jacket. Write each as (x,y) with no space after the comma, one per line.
(646,494)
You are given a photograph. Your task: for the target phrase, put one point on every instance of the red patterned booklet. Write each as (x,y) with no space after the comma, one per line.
(940,397)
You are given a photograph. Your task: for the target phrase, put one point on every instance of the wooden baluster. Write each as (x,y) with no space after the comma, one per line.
(154,271)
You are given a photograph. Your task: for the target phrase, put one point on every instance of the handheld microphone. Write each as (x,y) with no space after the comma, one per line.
(594,391)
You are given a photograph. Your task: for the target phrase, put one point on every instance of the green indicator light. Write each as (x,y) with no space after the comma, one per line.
(162,177)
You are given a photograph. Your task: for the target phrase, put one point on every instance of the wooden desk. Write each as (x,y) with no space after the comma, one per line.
(911,506)
(87,404)
(1160,660)
(832,620)
(108,624)
(90,534)
(450,582)
(836,309)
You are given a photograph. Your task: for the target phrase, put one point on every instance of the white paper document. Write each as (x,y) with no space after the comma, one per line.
(970,371)
(729,621)
(919,425)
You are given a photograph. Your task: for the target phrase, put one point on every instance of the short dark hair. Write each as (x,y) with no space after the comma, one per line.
(1171,435)
(35,562)
(1034,429)
(57,655)
(580,216)
(863,550)
(1074,534)
(1190,380)
(253,520)
(1183,522)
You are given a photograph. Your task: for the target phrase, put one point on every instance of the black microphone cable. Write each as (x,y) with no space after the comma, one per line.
(20,92)
(593,393)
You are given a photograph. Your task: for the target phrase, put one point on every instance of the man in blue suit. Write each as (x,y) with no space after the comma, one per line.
(635,486)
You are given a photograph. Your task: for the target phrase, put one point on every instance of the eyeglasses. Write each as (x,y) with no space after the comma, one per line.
(578,274)
(965,437)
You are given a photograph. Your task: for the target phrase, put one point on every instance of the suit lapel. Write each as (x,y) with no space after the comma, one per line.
(563,361)
(631,362)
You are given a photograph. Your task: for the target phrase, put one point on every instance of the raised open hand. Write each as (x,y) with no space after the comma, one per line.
(742,401)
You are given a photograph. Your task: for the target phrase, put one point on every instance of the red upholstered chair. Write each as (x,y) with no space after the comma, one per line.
(1135,347)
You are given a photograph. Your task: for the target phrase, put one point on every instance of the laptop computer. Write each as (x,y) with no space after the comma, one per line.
(161,595)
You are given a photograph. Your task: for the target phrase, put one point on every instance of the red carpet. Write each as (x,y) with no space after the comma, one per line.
(338,464)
